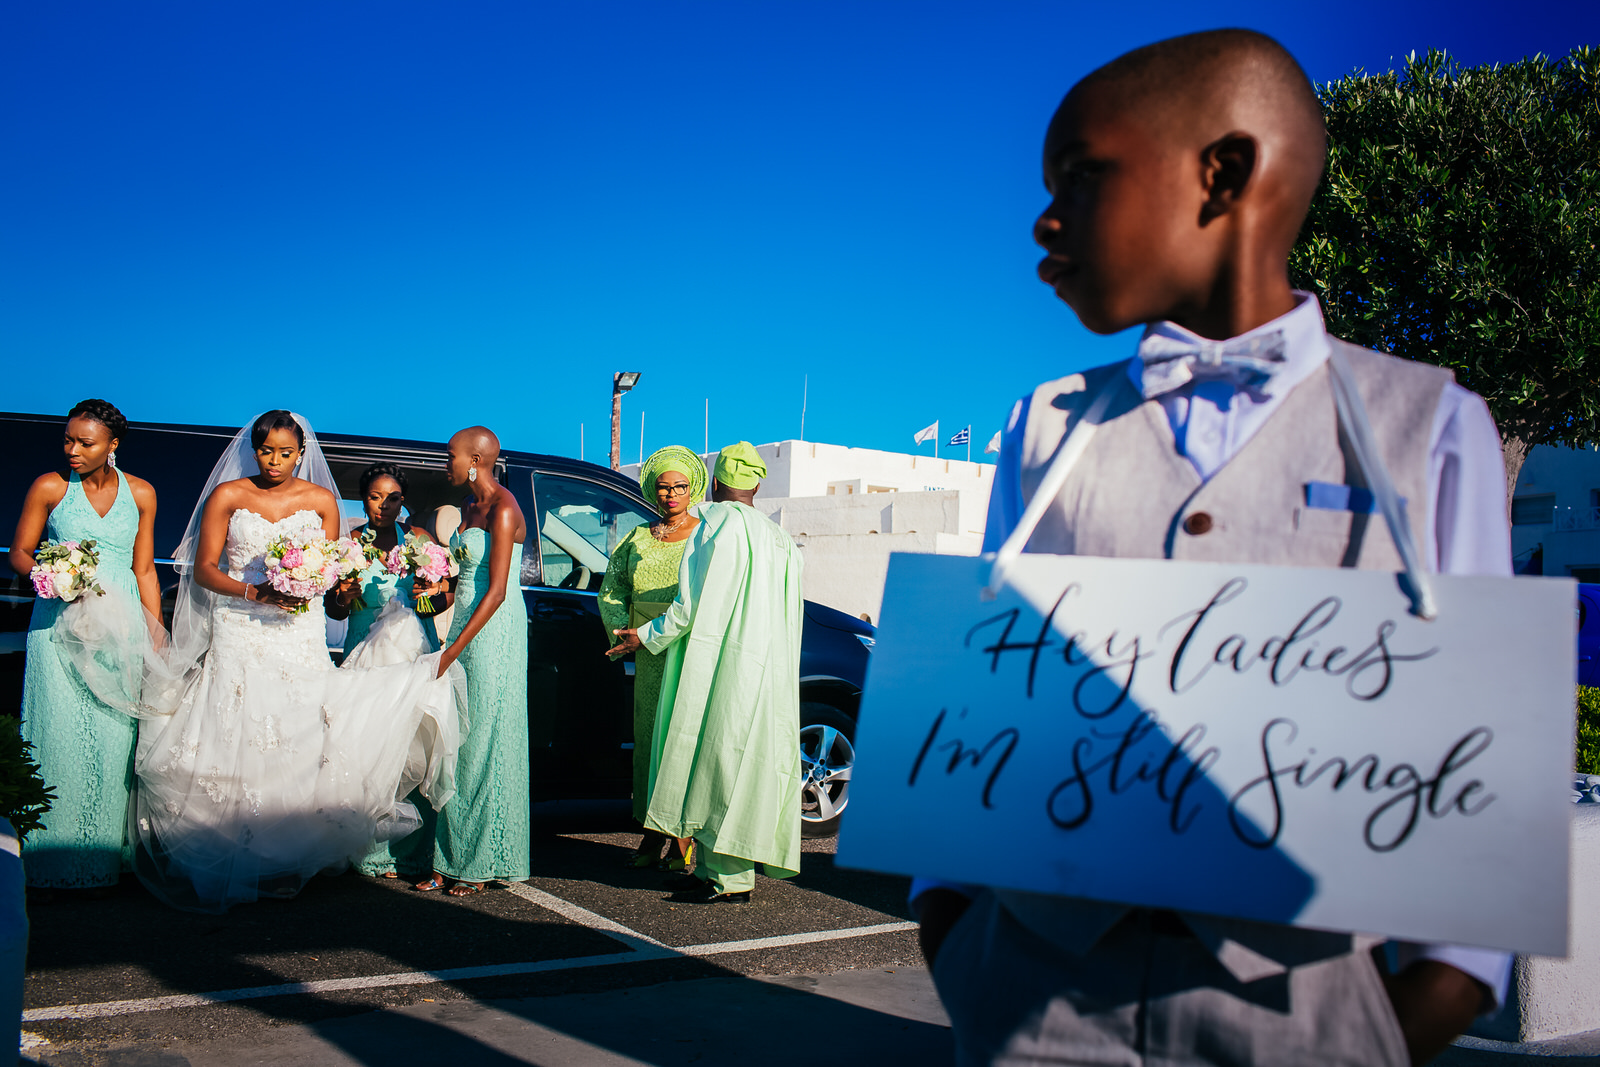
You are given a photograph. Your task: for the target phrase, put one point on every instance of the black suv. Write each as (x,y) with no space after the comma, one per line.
(580,719)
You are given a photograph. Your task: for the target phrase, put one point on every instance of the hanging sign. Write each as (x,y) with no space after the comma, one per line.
(1270,743)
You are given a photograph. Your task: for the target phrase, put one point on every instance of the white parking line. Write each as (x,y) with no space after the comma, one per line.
(583,916)
(785,940)
(641,949)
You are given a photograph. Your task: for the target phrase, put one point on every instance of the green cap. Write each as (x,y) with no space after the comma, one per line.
(739,466)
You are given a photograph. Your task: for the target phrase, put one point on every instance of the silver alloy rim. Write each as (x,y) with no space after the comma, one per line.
(827,758)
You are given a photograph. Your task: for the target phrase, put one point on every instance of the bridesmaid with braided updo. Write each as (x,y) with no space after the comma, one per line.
(84,748)
(383,495)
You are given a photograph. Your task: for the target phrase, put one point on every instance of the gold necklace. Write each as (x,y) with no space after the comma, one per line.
(660,530)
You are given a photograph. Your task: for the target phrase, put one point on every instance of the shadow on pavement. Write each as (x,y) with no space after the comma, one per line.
(680,1023)
(675,1010)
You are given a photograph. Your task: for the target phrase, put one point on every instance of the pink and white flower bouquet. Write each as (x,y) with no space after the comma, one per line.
(65,570)
(304,564)
(352,557)
(424,559)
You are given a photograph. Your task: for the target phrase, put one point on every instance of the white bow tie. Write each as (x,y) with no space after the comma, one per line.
(1170,362)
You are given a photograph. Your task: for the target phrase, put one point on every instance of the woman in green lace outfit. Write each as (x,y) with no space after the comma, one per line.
(641,583)
(383,494)
(84,748)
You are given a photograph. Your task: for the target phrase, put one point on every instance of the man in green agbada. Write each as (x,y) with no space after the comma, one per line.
(726,762)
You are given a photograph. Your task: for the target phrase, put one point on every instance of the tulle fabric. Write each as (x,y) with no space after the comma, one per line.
(276,765)
(397,636)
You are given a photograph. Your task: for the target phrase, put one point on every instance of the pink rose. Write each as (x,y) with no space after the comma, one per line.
(395,563)
(43,583)
(292,558)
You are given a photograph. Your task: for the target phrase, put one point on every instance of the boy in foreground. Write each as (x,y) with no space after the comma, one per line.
(1180,174)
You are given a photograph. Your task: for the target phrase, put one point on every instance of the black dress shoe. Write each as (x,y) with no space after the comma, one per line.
(707,894)
(682,882)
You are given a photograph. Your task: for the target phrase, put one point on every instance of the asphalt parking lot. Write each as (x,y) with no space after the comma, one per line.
(129,981)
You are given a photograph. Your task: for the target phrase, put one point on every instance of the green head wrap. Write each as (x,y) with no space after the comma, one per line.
(740,467)
(674,458)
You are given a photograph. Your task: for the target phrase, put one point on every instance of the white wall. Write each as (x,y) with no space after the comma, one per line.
(846,541)
(849,508)
(810,468)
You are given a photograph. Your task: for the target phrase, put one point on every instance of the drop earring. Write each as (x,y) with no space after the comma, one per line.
(472,474)
(111,460)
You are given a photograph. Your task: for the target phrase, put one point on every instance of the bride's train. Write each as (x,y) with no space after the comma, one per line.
(277,766)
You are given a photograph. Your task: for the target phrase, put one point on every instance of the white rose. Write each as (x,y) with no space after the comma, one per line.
(68,590)
(314,558)
(75,556)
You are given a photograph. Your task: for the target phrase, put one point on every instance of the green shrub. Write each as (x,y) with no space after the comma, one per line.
(1587,755)
(23,795)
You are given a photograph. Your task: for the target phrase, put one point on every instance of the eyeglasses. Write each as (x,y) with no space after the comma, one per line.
(677,489)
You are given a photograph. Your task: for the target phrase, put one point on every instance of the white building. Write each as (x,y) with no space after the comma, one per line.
(1555,513)
(849,508)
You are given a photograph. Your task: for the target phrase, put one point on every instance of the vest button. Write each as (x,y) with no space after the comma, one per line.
(1197,524)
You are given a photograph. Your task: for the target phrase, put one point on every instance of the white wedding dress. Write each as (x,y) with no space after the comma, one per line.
(275,765)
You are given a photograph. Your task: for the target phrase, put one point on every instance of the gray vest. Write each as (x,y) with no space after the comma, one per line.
(1132,494)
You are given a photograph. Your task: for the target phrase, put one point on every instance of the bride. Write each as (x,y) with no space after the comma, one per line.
(259,763)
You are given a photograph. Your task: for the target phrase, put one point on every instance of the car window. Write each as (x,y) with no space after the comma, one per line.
(580,523)
(354,513)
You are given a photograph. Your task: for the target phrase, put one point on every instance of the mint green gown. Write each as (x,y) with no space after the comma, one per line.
(410,855)
(483,832)
(84,749)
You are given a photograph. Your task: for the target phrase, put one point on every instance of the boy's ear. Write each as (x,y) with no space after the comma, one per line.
(1226,167)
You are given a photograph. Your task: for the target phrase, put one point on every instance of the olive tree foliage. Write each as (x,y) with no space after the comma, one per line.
(1457,225)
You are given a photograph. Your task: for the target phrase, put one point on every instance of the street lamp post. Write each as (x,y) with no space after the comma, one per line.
(621,382)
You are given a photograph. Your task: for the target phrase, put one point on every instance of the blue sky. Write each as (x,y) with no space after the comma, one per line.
(401,218)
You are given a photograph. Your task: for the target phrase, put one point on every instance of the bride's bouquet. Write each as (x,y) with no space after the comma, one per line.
(304,564)
(421,558)
(65,570)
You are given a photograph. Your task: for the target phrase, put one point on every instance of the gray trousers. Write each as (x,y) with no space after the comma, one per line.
(1148,996)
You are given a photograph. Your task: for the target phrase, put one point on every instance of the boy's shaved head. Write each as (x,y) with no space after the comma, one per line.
(1180,174)
(1200,86)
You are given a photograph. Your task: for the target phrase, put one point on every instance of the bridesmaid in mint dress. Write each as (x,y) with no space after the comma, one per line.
(483,832)
(383,494)
(84,748)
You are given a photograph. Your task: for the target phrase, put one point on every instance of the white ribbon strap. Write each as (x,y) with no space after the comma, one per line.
(1054,478)
(1364,446)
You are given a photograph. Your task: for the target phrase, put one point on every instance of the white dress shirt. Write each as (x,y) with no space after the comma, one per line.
(1467,532)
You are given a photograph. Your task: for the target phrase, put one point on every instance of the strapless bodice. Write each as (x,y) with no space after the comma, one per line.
(249,535)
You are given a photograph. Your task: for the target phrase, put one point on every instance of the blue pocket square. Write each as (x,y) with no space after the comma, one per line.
(1329,497)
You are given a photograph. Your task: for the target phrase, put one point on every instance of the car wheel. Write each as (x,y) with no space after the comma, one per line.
(827,758)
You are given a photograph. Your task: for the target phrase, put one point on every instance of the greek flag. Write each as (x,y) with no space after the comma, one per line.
(962,437)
